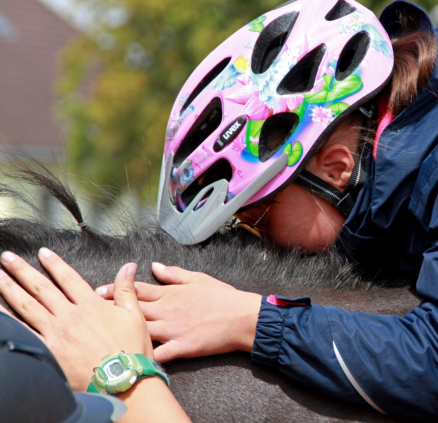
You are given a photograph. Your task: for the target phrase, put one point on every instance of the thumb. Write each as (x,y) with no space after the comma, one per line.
(167,352)
(172,274)
(124,290)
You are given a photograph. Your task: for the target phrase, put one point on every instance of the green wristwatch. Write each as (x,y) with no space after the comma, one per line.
(118,372)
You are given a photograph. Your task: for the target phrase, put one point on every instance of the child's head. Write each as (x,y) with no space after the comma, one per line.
(279,96)
(299,217)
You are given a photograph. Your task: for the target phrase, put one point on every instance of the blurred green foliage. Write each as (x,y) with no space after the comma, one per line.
(120,80)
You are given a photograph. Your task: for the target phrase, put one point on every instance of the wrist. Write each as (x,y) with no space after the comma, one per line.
(144,384)
(247,323)
(119,372)
(153,395)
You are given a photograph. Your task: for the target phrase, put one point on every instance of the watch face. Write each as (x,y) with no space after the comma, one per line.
(114,369)
(116,373)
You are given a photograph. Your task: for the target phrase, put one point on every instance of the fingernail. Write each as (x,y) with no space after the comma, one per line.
(158,265)
(8,257)
(101,291)
(45,252)
(131,270)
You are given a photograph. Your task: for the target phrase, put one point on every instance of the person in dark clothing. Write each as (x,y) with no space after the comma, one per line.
(333,143)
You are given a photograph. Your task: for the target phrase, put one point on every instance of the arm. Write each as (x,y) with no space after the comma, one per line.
(387,362)
(150,400)
(80,328)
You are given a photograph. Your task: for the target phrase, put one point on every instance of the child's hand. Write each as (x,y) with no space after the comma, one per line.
(76,324)
(195,314)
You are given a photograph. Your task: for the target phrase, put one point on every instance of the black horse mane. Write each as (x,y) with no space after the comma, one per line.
(218,388)
(233,256)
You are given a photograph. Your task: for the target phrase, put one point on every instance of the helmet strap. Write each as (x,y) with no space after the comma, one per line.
(342,201)
(252,227)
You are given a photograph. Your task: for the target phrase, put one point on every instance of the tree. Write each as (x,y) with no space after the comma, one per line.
(120,80)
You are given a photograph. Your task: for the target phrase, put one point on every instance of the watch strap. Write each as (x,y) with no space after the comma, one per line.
(151,368)
(91,388)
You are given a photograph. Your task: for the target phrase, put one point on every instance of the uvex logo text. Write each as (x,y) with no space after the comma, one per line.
(230,133)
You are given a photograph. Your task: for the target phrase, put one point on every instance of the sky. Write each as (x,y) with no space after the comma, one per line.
(70,11)
(64,7)
(86,18)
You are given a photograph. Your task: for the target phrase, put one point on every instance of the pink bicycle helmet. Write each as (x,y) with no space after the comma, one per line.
(253,112)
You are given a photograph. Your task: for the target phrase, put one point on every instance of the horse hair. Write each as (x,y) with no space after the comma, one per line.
(229,387)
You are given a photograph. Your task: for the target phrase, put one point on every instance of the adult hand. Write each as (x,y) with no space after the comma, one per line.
(76,324)
(195,314)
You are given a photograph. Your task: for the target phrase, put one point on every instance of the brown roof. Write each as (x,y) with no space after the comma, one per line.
(31,37)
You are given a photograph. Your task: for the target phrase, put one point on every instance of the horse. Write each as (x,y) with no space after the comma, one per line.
(222,388)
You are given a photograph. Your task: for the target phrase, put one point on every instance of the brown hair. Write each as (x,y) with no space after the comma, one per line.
(414,59)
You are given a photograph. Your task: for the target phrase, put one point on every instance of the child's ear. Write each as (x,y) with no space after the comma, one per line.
(334,165)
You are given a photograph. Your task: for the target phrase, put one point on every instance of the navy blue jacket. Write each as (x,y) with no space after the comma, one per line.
(389,362)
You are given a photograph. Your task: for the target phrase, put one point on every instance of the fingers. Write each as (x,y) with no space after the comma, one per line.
(158,330)
(74,287)
(124,291)
(167,352)
(24,304)
(3,310)
(144,291)
(149,292)
(105,291)
(154,311)
(172,274)
(34,282)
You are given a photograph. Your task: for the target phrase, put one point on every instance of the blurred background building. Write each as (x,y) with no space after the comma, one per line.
(31,37)
(87,85)
(33,34)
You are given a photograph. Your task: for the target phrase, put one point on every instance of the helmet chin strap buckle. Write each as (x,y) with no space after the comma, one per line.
(367,112)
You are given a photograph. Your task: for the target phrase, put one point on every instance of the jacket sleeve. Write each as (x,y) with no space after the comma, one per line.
(389,362)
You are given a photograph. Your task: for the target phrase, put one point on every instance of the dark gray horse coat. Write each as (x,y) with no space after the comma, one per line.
(226,388)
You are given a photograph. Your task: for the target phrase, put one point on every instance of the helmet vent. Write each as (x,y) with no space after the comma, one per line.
(210,77)
(341,9)
(217,171)
(270,42)
(301,78)
(275,132)
(352,55)
(207,122)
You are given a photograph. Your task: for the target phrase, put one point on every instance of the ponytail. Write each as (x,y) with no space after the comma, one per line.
(414,59)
